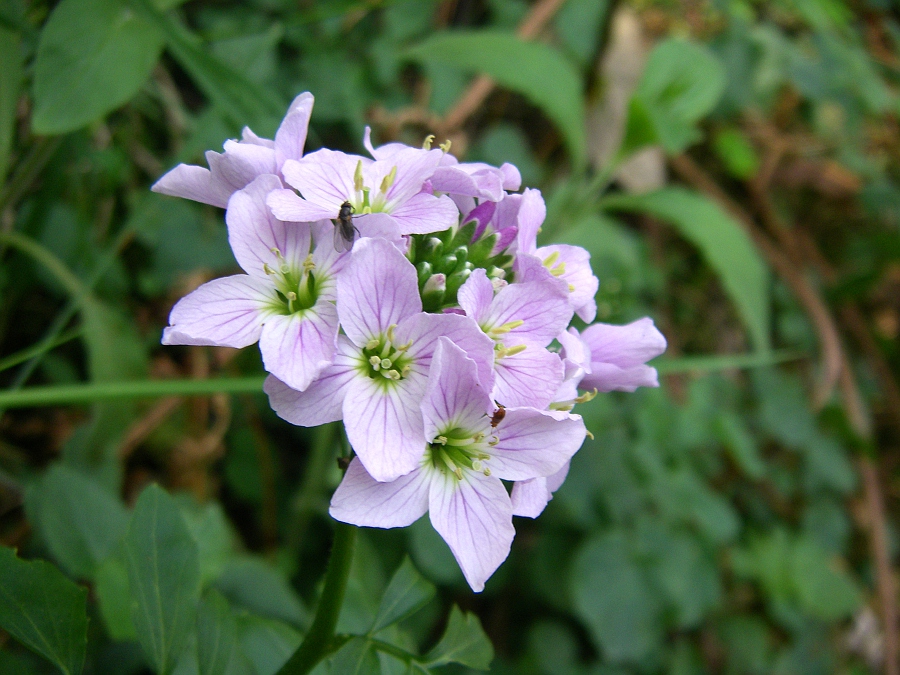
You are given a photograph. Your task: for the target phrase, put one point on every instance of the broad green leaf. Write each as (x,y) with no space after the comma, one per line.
(255,585)
(613,597)
(114,596)
(463,642)
(736,153)
(742,445)
(536,70)
(218,650)
(11,75)
(266,643)
(164,574)
(93,56)
(407,592)
(211,530)
(80,521)
(43,610)
(824,588)
(724,244)
(356,657)
(681,83)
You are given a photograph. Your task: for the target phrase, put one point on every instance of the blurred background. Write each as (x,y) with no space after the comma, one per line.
(732,167)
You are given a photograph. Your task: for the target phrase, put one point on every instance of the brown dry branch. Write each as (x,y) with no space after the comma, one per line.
(837,371)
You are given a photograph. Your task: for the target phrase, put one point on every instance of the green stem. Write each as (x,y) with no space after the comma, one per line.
(34,350)
(29,246)
(318,641)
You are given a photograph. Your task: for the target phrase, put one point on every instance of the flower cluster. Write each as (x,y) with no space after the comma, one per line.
(439,332)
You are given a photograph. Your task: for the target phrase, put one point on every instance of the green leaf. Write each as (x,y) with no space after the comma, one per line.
(11,75)
(463,642)
(93,56)
(218,649)
(407,592)
(724,244)
(114,596)
(823,587)
(736,153)
(613,597)
(681,83)
(539,72)
(164,573)
(266,643)
(356,657)
(254,584)
(43,610)
(80,521)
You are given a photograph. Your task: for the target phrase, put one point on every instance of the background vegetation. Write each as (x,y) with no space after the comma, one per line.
(731,165)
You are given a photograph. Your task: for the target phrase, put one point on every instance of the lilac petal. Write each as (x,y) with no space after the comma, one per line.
(476,294)
(414,167)
(297,348)
(512,179)
(384,424)
(361,500)
(324,177)
(482,215)
(288,207)
(385,151)
(530,497)
(532,213)
(535,443)
(253,231)
(530,378)
(507,213)
(195,183)
(247,136)
(328,262)
(323,400)
(483,184)
(379,225)
(505,237)
(423,213)
(542,306)
(291,135)
(243,162)
(454,398)
(474,516)
(630,345)
(227,312)
(424,331)
(578,275)
(608,377)
(575,352)
(378,288)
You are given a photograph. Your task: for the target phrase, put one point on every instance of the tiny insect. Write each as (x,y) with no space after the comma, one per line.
(345,231)
(498,416)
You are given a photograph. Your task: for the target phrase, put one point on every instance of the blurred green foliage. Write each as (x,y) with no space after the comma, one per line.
(712,526)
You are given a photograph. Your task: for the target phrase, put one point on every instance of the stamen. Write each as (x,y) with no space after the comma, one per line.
(405,370)
(426,144)
(571,288)
(589,434)
(375,362)
(388,180)
(441,440)
(445,146)
(559,270)
(487,472)
(267,269)
(390,332)
(308,263)
(459,442)
(494,440)
(371,344)
(358,177)
(506,327)
(550,259)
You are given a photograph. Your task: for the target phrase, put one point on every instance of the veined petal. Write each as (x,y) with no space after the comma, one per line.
(542,307)
(243,162)
(454,398)
(361,500)
(227,312)
(195,183)
(474,516)
(532,212)
(424,213)
(378,288)
(381,225)
(384,424)
(291,135)
(579,277)
(535,443)
(323,400)
(610,377)
(476,294)
(529,378)
(254,232)
(414,167)
(288,207)
(298,347)
(530,497)
(483,184)
(624,346)
(324,177)
(424,330)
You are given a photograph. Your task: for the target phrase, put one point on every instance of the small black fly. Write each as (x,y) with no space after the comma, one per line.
(345,231)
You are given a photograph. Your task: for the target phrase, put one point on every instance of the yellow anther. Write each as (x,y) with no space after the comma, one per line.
(551,259)
(476,465)
(494,440)
(405,370)
(487,472)
(589,434)
(390,332)
(587,396)
(445,146)
(358,177)
(291,296)
(441,440)
(571,288)
(267,269)
(388,180)
(371,344)
(375,362)
(308,263)
(477,438)
(509,351)
(426,144)
(506,327)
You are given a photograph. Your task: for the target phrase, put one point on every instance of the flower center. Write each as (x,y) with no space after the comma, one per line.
(457,449)
(386,361)
(296,290)
(363,199)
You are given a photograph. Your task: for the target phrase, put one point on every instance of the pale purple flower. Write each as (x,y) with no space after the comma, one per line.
(619,355)
(242,160)
(458,476)
(530,497)
(522,319)
(327,178)
(285,300)
(379,374)
(469,179)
